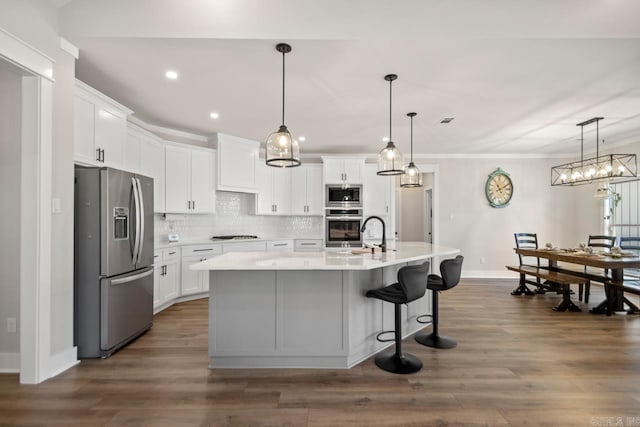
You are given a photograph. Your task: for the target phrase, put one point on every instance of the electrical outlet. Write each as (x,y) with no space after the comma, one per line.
(11,325)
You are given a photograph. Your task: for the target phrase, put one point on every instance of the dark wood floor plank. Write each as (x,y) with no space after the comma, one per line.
(517,363)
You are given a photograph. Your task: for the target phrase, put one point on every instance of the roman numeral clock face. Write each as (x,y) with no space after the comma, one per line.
(499,189)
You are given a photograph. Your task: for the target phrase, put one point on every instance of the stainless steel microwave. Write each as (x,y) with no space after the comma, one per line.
(343,196)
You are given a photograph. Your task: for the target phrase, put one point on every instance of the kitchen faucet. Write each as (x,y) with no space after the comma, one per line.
(383,245)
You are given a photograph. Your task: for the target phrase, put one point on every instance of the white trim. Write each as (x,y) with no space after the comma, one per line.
(427,157)
(62,361)
(69,48)
(93,92)
(35,234)
(9,363)
(489,274)
(25,56)
(167,131)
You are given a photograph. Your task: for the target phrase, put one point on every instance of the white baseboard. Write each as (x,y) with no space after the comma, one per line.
(62,361)
(489,274)
(10,363)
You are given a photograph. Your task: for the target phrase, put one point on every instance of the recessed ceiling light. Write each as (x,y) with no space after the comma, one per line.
(447,120)
(171,75)
(302,138)
(385,139)
(214,115)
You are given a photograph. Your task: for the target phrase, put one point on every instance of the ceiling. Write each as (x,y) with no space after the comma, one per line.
(516,79)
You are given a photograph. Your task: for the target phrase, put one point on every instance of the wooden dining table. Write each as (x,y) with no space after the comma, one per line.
(605,261)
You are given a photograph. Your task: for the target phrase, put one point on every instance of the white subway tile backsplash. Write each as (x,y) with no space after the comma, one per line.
(235,215)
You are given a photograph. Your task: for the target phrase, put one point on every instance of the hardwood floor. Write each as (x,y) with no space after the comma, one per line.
(517,363)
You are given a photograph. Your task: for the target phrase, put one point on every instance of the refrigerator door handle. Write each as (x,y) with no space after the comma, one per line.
(141,219)
(131,278)
(136,201)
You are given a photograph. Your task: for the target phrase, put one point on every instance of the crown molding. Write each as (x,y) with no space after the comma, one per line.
(167,131)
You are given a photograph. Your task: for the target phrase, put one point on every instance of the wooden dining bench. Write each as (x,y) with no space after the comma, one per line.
(555,277)
(629,286)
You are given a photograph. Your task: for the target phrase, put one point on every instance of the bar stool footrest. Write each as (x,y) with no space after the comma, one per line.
(420,318)
(384,339)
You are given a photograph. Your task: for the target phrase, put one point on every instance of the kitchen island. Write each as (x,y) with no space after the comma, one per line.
(306,309)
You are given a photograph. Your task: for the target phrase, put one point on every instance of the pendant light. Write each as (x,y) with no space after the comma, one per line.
(412,176)
(390,158)
(281,150)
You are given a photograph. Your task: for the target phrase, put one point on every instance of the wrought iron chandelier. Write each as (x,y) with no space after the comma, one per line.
(595,169)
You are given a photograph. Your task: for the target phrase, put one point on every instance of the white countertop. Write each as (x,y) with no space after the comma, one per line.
(398,252)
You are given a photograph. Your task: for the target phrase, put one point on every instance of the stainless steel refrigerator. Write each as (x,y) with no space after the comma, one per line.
(113,271)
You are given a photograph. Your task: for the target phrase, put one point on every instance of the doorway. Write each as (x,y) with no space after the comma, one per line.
(416,210)
(428,215)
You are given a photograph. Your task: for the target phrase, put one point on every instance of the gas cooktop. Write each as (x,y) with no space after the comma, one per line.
(234,237)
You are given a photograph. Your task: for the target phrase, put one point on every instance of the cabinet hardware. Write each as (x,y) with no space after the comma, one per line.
(103,155)
(281,244)
(307,244)
(193,203)
(188,204)
(97,154)
(172,253)
(202,250)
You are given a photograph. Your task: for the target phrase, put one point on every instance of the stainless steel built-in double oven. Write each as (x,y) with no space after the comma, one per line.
(343,226)
(343,215)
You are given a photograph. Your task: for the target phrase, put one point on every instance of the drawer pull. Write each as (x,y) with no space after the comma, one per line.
(281,244)
(172,253)
(308,244)
(202,250)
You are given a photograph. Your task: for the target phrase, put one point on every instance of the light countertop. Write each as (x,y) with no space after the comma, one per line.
(398,252)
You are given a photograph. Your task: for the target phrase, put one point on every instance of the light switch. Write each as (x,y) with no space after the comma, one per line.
(56,205)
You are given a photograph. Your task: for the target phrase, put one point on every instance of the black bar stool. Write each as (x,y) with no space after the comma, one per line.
(450,270)
(411,285)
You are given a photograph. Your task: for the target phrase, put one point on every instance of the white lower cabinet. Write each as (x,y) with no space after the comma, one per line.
(280,246)
(165,283)
(194,282)
(309,245)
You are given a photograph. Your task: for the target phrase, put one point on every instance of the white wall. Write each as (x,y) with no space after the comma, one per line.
(485,234)
(10,134)
(34,22)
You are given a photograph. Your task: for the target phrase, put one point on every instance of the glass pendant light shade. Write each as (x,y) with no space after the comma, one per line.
(412,177)
(281,150)
(390,158)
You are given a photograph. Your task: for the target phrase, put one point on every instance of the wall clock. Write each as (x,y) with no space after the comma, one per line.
(499,189)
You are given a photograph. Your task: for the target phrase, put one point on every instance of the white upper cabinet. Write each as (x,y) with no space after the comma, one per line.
(131,151)
(236,164)
(306,190)
(273,195)
(342,170)
(377,192)
(152,165)
(100,125)
(188,180)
